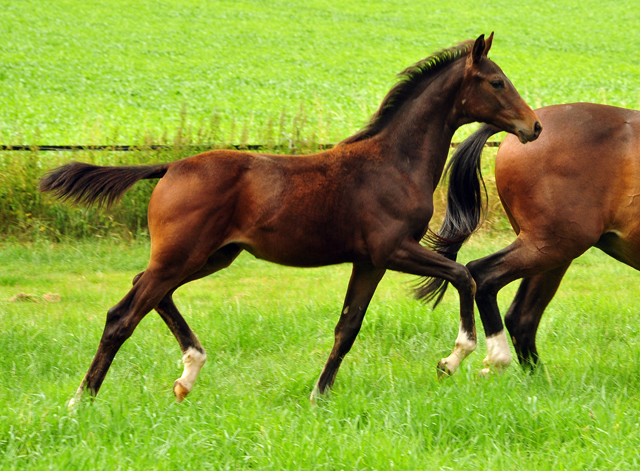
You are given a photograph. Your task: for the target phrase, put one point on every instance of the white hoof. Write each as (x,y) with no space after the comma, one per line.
(193,360)
(486,372)
(464,347)
(180,391)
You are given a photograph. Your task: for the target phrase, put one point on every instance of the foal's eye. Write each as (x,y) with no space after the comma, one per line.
(497,84)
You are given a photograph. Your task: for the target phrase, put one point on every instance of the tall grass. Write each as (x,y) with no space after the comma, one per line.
(113,71)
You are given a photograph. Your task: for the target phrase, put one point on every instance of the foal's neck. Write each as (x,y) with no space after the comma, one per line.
(420,135)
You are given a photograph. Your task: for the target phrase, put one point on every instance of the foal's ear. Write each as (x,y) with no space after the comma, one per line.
(487,44)
(478,49)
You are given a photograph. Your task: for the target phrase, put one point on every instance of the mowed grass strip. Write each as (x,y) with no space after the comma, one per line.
(268,330)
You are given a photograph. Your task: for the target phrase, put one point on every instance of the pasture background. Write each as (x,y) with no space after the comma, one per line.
(294,73)
(117,71)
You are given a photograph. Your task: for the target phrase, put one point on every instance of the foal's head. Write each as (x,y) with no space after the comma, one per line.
(488,96)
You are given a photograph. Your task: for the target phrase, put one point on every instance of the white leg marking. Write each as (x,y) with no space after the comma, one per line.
(464,346)
(193,360)
(315,394)
(498,353)
(75,400)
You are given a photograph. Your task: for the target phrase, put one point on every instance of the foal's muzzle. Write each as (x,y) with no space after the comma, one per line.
(526,134)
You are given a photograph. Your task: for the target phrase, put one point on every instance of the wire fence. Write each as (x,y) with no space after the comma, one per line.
(195,147)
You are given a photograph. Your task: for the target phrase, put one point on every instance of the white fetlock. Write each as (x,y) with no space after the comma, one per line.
(498,353)
(315,395)
(75,400)
(464,347)
(193,360)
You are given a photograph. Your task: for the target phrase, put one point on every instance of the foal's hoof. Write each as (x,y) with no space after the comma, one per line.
(75,401)
(443,369)
(180,391)
(73,404)
(315,396)
(490,370)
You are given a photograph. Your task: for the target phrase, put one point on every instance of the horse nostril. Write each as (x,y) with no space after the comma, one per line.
(537,128)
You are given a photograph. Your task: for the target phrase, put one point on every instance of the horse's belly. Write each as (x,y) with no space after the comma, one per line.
(300,252)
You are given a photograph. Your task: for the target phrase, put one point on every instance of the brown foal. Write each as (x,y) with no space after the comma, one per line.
(367,201)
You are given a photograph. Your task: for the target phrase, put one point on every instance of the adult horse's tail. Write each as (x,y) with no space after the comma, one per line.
(90,184)
(465,210)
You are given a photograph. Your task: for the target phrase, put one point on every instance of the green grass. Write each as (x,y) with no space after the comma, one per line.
(178,72)
(268,331)
(125,72)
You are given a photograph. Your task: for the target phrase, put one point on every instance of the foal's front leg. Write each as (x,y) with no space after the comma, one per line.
(411,257)
(364,281)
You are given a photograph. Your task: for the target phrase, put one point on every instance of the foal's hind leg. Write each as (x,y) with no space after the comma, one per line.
(124,317)
(521,259)
(524,314)
(362,285)
(193,354)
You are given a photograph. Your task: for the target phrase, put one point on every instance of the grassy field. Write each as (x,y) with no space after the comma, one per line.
(125,72)
(219,72)
(268,331)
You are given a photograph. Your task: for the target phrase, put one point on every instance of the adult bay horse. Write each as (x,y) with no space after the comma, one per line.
(576,187)
(368,202)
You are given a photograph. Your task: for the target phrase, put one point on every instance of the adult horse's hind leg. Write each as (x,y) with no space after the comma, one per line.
(522,259)
(193,354)
(524,314)
(363,283)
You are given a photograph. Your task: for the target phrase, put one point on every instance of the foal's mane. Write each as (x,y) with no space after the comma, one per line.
(409,79)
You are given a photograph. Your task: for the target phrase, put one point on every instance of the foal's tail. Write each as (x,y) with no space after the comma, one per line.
(91,184)
(465,209)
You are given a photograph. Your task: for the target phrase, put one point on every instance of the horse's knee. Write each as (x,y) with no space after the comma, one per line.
(463,280)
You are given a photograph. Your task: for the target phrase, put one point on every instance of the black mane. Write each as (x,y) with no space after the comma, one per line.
(409,80)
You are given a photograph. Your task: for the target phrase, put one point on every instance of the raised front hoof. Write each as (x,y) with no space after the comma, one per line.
(443,370)
(179,391)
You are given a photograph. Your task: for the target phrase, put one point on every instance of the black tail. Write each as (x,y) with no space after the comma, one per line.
(91,184)
(465,209)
